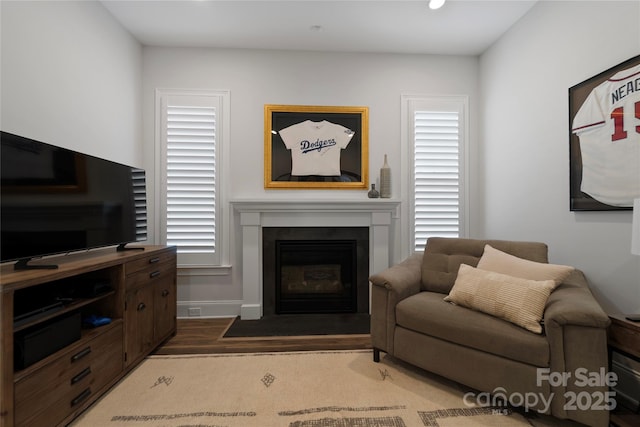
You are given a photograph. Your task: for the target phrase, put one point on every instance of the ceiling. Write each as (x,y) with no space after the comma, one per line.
(460,27)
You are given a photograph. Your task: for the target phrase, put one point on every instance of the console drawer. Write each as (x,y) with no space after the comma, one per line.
(48,395)
(144,277)
(150,269)
(150,262)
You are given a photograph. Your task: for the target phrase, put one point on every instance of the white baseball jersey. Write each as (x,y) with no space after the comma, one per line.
(608,125)
(316,147)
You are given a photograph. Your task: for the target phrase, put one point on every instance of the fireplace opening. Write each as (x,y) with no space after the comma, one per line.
(316,276)
(318,270)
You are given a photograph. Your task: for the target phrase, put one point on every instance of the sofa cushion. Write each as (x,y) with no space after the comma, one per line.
(514,299)
(428,313)
(501,262)
(442,258)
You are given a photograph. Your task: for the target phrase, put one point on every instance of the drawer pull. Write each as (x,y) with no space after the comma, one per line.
(154,274)
(81,375)
(80,354)
(82,396)
(165,293)
(154,260)
(141,306)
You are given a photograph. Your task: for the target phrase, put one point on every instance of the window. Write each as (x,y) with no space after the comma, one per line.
(140,200)
(191,125)
(437,141)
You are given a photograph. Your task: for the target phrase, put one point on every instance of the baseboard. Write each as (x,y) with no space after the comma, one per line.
(208,309)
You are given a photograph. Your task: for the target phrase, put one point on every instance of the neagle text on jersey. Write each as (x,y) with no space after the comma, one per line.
(628,88)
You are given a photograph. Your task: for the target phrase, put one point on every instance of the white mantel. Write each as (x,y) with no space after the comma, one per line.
(377,214)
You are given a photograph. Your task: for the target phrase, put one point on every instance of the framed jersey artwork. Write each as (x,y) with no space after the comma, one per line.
(604,139)
(316,147)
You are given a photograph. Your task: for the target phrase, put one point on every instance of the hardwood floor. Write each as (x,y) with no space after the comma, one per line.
(205,336)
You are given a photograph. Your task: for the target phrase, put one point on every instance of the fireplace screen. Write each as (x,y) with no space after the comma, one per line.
(315,276)
(311,279)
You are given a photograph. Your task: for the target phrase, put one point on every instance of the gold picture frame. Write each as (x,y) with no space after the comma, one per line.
(353,156)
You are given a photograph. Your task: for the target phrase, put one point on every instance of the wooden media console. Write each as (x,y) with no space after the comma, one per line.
(53,364)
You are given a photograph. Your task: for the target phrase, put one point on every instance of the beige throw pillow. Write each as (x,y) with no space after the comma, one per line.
(502,262)
(519,301)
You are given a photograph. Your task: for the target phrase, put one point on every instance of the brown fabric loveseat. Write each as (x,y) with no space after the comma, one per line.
(411,321)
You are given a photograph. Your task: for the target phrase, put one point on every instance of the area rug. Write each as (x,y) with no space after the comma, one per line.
(283,325)
(296,389)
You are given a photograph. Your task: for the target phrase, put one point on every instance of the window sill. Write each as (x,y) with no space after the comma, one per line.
(204,270)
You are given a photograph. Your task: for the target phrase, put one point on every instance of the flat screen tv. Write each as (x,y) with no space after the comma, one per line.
(55,200)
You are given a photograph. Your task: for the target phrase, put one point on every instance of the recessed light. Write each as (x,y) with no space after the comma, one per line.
(436,4)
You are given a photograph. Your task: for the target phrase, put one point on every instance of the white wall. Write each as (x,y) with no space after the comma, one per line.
(71,76)
(255,78)
(524,79)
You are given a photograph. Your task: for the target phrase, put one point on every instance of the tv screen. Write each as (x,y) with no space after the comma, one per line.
(55,200)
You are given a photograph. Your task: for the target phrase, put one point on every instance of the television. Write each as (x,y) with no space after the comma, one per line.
(55,200)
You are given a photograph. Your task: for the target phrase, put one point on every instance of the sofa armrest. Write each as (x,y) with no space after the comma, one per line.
(389,287)
(402,279)
(572,303)
(576,329)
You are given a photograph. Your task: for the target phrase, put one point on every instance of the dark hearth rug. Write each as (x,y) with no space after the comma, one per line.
(300,324)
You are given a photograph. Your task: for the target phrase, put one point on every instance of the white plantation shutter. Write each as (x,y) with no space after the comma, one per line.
(140,200)
(191,178)
(438,141)
(191,141)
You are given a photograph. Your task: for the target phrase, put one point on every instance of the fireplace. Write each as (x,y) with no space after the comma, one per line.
(315,270)
(378,216)
(315,276)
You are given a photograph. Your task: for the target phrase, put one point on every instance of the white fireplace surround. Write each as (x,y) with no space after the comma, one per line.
(377,214)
